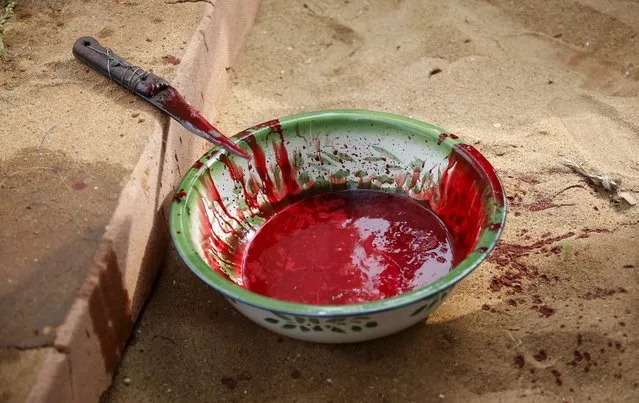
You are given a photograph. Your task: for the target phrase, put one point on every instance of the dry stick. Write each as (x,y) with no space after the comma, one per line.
(604,182)
(75,164)
(567,188)
(517,342)
(45,134)
(601,181)
(64,181)
(41,168)
(21,171)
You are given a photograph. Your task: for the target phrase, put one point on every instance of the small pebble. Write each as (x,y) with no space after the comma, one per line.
(127,381)
(135,114)
(329,380)
(140,120)
(441,396)
(497,125)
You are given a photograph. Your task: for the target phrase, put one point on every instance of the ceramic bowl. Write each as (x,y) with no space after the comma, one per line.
(223,199)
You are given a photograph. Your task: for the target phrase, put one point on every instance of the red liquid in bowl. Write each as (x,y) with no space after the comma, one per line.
(347,247)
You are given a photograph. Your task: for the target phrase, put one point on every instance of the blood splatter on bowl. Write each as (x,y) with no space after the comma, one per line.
(222,200)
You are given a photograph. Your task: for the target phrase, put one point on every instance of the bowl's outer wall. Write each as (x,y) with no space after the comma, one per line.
(331,150)
(343,329)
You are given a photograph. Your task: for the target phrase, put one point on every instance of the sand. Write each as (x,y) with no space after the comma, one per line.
(69,139)
(552,316)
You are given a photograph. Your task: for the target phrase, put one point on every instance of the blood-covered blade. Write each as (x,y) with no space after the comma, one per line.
(170,101)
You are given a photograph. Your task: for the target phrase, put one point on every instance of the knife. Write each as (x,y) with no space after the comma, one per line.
(155,90)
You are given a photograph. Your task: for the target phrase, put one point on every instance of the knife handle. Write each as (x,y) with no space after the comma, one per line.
(103,60)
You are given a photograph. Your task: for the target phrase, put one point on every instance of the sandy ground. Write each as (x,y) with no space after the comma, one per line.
(552,316)
(68,141)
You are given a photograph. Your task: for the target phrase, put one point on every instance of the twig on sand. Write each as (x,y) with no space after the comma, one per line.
(64,182)
(20,171)
(159,336)
(603,182)
(36,168)
(45,134)
(517,342)
(566,188)
(6,16)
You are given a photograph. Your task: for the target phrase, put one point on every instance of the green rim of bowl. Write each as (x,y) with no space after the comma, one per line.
(181,235)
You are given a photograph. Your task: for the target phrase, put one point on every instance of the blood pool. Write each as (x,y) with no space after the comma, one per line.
(347,247)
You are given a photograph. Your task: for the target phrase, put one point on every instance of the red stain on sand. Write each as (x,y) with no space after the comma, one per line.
(170,59)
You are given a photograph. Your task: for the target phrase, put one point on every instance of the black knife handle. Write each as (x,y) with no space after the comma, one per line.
(103,60)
